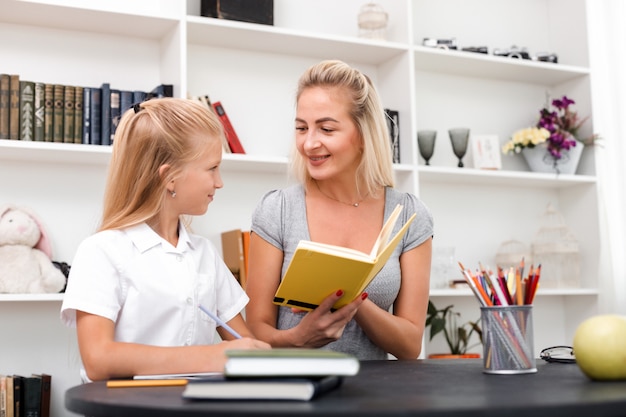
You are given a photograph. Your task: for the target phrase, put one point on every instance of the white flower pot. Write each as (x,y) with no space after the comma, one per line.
(540,160)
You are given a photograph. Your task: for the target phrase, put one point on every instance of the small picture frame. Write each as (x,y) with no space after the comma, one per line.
(486,151)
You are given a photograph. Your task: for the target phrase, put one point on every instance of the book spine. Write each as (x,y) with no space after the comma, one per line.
(96,116)
(393,124)
(48,113)
(78,114)
(161,90)
(68,113)
(57,123)
(4,106)
(115,112)
(105,120)
(27,110)
(18,394)
(14,106)
(39,111)
(46,385)
(3,396)
(139,96)
(32,396)
(86,133)
(126,101)
(231,136)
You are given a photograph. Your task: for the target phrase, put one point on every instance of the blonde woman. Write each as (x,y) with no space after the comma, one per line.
(343,161)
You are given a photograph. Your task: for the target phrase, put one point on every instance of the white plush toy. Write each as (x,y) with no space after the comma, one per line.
(25,254)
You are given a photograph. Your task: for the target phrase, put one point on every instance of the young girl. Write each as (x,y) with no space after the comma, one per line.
(343,160)
(136,287)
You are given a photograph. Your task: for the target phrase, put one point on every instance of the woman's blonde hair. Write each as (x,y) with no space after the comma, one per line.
(376,167)
(161,131)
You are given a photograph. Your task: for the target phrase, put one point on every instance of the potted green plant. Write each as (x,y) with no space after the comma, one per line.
(457,336)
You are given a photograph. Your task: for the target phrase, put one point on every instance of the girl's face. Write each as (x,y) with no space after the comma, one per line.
(326,136)
(198,181)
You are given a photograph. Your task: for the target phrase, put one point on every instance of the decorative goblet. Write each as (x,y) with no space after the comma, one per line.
(426,143)
(459,138)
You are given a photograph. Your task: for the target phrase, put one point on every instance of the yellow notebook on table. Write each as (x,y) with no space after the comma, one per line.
(318,269)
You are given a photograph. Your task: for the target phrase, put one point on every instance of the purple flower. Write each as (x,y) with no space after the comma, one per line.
(562,123)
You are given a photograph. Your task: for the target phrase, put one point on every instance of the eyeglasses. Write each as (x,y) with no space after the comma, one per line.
(558,354)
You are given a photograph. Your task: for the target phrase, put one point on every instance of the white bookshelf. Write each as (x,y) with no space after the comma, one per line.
(253,69)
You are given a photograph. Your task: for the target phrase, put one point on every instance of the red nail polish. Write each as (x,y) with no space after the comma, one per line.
(339,293)
(364,296)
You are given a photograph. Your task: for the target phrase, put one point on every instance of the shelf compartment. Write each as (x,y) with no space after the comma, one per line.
(478,177)
(140,24)
(268,39)
(470,64)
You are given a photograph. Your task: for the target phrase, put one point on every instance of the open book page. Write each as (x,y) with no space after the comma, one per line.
(335,250)
(385,232)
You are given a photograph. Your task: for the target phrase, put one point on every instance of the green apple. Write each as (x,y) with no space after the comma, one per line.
(600,347)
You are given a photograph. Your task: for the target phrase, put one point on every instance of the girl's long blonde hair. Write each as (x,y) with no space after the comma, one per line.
(161,131)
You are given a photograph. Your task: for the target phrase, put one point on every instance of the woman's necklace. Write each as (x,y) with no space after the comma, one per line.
(339,201)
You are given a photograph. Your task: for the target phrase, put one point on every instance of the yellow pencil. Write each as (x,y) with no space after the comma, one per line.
(128,383)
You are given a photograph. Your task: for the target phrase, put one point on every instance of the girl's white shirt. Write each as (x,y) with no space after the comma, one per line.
(151,289)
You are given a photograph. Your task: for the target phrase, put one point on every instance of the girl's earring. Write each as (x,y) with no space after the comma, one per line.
(173,194)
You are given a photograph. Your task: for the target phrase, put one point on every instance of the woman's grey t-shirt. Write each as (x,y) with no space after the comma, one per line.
(280,219)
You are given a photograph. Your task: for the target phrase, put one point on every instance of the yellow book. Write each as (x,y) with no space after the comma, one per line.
(318,269)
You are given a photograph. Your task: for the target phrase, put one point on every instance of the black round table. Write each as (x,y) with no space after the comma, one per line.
(454,388)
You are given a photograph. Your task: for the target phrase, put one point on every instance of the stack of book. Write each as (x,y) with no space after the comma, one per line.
(275,374)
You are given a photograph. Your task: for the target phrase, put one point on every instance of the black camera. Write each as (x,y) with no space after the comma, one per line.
(513,52)
(546,57)
(449,43)
(476,49)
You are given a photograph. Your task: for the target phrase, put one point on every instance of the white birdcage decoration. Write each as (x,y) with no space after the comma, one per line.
(511,253)
(372,21)
(556,249)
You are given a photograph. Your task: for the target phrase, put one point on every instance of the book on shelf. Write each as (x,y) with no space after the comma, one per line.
(105,118)
(4,106)
(46,386)
(139,96)
(14,106)
(10,399)
(161,91)
(231,136)
(288,389)
(126,101)
(86,124)
(206,102)
(318,269)
(289,362)
(31,396)
(3,395)
(393,124)
(18,383)
(39,106)
(27,110)
(78,114)
(257,11)
(69,102)
(95,112)
(59,110)
(233,254)
(115,112)
(48,113)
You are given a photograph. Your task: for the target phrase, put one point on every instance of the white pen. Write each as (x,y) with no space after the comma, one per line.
(220,322)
